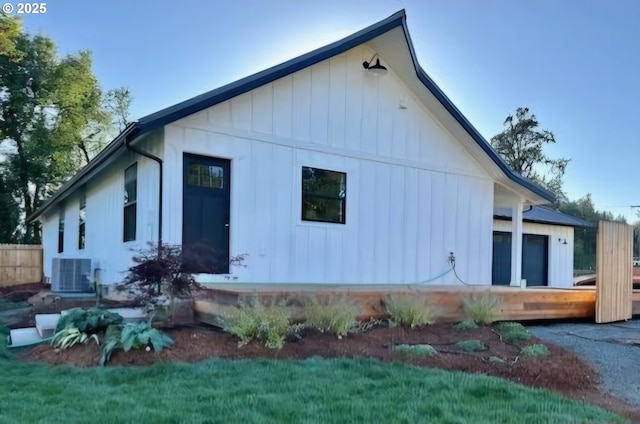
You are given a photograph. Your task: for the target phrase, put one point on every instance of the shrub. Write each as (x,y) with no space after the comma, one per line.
(409,311)
(133,336)
(158,275)
(111,343)
(337,317)
(471,345)
(482,309)
(90,321)
(535,350)
(142,334)
(417,350)
(68,337)
(255,321)
(467,324)
(513,332)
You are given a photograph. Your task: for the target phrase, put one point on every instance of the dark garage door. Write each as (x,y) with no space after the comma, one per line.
(535,259)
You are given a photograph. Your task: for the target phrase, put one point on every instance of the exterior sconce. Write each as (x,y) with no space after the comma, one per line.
(377,68)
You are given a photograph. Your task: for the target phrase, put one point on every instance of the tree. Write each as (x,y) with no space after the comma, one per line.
(585,208)
(521,145)
(53,118)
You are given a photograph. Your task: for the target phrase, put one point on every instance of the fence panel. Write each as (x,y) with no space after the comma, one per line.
(20,264)
(614,269)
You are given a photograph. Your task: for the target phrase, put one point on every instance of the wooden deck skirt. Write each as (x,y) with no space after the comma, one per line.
(515,303)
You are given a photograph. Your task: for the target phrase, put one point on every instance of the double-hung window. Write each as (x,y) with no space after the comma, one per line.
(130,202)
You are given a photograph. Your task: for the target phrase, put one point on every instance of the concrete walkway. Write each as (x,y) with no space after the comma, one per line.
(612,349)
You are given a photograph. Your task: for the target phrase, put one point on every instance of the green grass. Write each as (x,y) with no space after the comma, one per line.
(268,391)
(467,324)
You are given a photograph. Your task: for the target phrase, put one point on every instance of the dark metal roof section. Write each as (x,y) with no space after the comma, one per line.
(211,98)
(542,215)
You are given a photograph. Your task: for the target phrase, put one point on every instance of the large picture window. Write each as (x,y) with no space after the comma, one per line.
(82,219)
(324,195)
(130,202)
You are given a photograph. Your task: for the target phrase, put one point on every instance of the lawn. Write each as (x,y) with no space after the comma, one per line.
(314,390)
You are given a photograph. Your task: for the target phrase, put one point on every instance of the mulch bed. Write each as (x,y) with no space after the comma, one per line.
(561,371)
(20,292)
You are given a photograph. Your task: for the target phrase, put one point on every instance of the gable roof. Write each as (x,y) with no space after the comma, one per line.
(181,110)
(542,215)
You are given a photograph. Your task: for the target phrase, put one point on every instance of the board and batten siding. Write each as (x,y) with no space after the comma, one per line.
(414,193)
(560,255)
(105,217)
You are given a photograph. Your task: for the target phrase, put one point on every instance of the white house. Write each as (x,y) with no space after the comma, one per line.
(323,169)
(547,244)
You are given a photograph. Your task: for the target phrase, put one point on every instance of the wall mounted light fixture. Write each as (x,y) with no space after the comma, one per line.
(562,241)
(377,68)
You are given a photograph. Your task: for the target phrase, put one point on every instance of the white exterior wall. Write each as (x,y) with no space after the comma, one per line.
(414,194)
(105,217)
(560,255)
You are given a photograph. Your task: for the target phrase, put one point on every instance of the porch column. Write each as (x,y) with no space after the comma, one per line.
(516,243)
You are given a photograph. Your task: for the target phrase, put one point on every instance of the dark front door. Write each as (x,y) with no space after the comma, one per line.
(535,259)
(205,214)
(501,270)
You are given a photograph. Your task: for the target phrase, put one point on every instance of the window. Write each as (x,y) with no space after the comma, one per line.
(130,202)
(82,220)
(324,195)
(61,232)
(209,176)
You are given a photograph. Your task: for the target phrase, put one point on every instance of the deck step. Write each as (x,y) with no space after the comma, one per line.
(46,324)
(24,336)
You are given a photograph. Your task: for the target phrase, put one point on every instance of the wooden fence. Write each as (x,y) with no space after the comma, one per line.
(20,264)
(614,269)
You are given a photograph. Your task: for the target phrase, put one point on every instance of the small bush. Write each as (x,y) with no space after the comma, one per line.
(417,350)
(481,309)
(467,324)
(133,336)
(513,332)
(535,350)
(409,311)
(471,346)
(337,317)
(68,337)
(254,321)
(141,335)
(90,321)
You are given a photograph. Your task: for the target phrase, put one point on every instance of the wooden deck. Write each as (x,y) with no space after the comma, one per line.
(516,303)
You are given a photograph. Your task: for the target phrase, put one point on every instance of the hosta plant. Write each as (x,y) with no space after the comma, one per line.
(90,321)
(68,337)
(141,335)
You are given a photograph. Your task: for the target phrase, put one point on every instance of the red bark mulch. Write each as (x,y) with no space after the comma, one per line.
(561,371)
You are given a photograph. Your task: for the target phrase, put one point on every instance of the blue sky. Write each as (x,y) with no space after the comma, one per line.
(575,64)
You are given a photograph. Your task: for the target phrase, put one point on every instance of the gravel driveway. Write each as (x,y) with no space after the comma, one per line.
(613,350)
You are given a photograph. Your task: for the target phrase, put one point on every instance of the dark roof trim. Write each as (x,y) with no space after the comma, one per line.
(542,215)
(211,98)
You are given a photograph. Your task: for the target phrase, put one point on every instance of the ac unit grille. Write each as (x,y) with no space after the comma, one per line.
(71,275)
